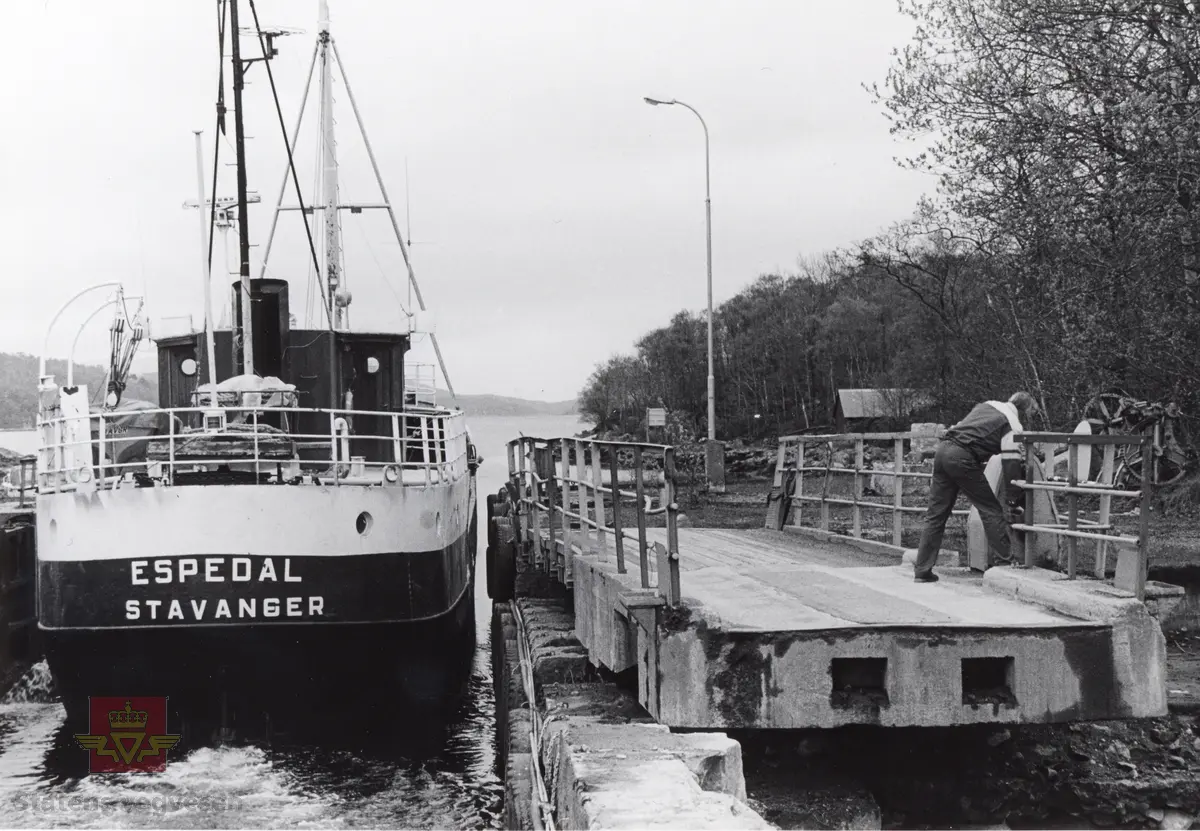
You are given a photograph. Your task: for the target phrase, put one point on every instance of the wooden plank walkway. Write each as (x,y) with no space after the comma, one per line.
(783,629)
(765,580)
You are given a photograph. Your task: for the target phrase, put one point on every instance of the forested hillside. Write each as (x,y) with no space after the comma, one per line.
(501,405)
(18,386)
(1060,253)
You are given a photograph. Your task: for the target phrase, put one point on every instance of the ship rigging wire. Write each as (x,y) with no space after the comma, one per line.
(287,146)
(218,130)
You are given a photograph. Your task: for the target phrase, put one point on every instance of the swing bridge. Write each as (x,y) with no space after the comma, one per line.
(812,622)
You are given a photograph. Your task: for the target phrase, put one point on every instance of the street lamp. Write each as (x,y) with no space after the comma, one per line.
(712,409)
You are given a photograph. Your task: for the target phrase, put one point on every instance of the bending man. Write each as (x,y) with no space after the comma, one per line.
(958,466)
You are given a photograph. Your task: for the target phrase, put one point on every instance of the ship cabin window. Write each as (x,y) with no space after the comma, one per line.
(188,367)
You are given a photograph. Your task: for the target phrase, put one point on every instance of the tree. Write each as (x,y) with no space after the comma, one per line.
(1066,145)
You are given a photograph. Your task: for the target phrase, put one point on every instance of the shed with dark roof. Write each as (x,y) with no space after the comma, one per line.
(863,410)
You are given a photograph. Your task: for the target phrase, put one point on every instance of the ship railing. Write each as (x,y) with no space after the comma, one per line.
(580,493)
(420,384)
(418,448)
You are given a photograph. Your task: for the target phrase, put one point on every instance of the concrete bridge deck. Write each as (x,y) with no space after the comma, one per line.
(782,629)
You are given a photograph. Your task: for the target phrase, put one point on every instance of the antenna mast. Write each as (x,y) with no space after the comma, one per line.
(407,224)
(339,298)
(245,328)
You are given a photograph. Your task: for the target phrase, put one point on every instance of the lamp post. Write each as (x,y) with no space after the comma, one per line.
(712,409)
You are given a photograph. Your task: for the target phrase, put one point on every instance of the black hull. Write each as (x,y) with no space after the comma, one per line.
(394,630)
(200,591)
(233,676)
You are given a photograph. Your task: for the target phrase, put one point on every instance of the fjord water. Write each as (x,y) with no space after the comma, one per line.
(428,774)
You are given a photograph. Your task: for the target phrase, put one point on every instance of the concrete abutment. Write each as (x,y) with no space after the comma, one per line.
(604,762)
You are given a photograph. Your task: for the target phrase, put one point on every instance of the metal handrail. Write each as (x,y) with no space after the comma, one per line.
(566,492)
(789,444)
(1103,488)
(437,439)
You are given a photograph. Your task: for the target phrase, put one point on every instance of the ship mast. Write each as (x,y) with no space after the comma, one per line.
(337,299)
(245,328)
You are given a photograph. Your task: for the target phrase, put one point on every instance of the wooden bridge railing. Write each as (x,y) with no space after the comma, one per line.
(791,461)
(1077,528)
(581,492)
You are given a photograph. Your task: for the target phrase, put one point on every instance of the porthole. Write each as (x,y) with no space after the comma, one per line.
(188,367)
(364,523)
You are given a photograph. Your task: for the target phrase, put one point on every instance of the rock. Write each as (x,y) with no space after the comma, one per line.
(995,739)
(1175,820)
(928,445)
(884,485)
(1164,735)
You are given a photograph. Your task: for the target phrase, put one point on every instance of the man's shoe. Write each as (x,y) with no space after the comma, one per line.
(926,578)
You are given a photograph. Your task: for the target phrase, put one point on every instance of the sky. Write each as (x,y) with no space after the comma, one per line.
(555,216)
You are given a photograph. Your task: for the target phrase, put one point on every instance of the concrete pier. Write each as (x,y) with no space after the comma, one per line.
(603,762)
(782,629)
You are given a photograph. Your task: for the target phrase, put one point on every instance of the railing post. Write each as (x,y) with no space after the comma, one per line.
(777,483)
(171,445)
(397,445)
(1072,506)
(597,486)
(529,485)
(581,493)
(898,492)
(858,467)
(618,535)
(1144,520)
(1104,517)
(426,456)
(1030,461)
(797,502)
(640,487)
(669,488)
(100,454)
(524,510)
(551,547)
(565,493)
(780,463)
(825,486)
(333,442)
(256,471)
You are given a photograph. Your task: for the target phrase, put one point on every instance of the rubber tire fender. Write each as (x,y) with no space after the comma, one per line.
(491,512)
(502,562)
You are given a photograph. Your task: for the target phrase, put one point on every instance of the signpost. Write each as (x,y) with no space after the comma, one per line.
(656,417)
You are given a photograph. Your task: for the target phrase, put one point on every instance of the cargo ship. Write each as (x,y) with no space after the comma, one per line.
(293,522)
